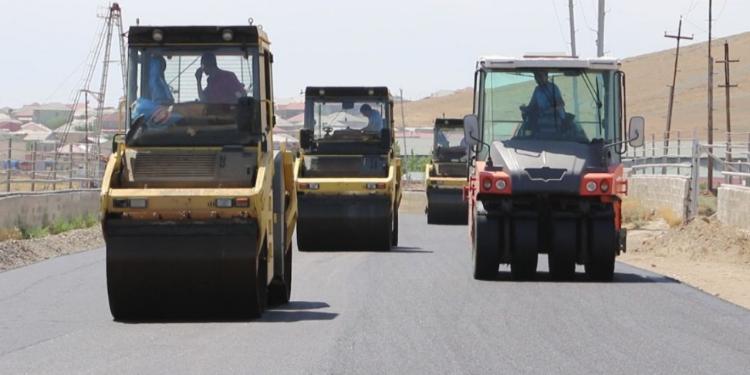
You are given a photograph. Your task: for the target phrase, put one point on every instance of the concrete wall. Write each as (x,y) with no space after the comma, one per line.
(733,206)
(659,192)
(28,210)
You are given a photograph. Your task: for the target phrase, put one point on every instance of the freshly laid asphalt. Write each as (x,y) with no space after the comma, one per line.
(414,310)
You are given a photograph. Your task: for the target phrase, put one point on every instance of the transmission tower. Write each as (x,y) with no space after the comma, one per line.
(112,22)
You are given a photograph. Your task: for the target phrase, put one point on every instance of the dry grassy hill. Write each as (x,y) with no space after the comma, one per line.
(648,79)
(423,112)
(650,75)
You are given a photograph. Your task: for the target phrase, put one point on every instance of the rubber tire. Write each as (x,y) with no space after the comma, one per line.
(486,247)
(525,250)
(561,259)
(279,289)
(602,251)
(394,231)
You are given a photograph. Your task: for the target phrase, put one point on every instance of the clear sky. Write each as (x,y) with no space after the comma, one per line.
(420,46)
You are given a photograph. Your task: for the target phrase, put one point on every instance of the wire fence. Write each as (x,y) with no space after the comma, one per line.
(39,166)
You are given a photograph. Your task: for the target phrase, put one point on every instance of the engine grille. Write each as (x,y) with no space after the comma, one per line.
(546,173)
(169,165)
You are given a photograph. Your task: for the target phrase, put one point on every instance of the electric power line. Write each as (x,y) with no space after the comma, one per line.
(559,25)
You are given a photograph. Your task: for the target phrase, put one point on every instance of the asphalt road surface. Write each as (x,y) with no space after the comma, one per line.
(415,310)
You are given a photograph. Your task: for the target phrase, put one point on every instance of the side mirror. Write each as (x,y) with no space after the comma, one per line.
(248,116)
(471,130)
(305,138)
(385,138)
(636,129)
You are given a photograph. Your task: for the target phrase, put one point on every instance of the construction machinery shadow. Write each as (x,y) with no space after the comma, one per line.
(294,311)
(580,277)
(297,311)
(396,250)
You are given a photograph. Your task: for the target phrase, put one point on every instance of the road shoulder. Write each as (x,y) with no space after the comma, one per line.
(704,254)
(19,253)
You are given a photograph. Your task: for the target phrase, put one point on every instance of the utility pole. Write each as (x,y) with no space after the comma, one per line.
(727,85)
(403,126)
(674,82)
(572,29)
(86,139)
(574,53)
(710,121)
(600,31)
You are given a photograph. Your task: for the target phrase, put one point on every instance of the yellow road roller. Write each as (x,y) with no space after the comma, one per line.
(198,209)
(348,174)
(447,174)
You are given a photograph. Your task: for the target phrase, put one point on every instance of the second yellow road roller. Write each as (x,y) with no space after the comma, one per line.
(348,174)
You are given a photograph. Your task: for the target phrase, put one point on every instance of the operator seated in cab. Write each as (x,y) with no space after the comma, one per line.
(449,148)
(222,86)
(155,110)
(545,112)
(374,119)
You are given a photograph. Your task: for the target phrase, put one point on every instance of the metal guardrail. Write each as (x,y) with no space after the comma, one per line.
(660,165)
(691,158)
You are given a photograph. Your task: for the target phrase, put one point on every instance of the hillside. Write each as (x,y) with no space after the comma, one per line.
(648,79)
(423,112)
(650,75)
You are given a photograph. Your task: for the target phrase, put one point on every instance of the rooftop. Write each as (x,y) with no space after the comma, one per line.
(502,62)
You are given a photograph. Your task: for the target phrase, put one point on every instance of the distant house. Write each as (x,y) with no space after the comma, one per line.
(111,120)
(10,125)
(298,119)
(32,127)
(290,110)
(71,136)
(51,115)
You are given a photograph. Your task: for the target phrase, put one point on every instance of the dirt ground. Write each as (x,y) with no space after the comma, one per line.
(17,253)
(704,253)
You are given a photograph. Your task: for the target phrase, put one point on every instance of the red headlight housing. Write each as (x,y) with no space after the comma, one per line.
(495,182)
(597,184)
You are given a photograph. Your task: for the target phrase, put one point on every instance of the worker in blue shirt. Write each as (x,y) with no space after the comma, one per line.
(546,101)
(374,119)
(155,109)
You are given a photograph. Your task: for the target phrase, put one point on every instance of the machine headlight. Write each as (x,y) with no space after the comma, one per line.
(591,186)
(224,202)
(604,186)
(227,35)
(487,184)
(500,184)
(157,35)
(120,203)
